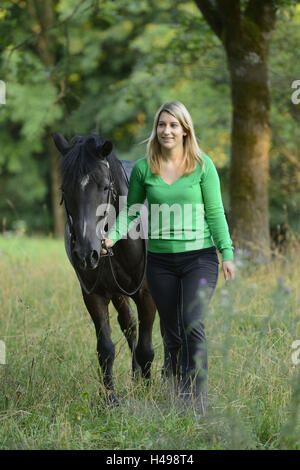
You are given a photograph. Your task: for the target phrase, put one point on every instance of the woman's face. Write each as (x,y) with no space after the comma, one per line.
(169,131)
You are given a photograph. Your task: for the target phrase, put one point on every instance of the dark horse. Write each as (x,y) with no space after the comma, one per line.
(92,175)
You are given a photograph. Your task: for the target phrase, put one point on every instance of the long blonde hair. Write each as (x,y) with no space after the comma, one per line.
(192,152)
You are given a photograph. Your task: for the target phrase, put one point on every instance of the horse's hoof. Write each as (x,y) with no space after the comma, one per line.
(111,400)
(136,374)
(148,381)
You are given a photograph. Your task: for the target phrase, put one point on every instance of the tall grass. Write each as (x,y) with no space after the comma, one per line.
(49,385)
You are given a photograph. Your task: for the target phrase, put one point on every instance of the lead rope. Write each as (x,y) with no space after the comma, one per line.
(112,271)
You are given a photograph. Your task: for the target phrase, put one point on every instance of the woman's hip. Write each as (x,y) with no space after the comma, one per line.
(179,263)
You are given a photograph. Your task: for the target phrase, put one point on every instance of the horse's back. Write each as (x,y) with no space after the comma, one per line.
(127,167)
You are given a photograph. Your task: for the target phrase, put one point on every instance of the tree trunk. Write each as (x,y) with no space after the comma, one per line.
(42,14)
(245,33)
(249,169)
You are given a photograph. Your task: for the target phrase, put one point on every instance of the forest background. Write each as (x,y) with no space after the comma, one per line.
(105,67)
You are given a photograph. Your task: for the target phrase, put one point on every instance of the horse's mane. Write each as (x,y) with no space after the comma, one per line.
(83,159)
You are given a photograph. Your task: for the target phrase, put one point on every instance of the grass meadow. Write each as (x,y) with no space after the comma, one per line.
(49,383)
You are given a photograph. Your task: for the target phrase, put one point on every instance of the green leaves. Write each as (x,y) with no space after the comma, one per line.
(35,108)
(114,63)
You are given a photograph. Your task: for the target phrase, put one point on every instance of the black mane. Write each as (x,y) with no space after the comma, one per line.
(83,158)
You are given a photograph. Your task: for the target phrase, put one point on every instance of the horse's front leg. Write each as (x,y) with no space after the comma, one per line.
(146,312)
(127,323)
(97,306)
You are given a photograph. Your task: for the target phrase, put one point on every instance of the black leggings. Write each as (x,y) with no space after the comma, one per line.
(182,284)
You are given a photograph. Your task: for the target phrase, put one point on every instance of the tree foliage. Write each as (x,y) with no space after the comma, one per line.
(116,62)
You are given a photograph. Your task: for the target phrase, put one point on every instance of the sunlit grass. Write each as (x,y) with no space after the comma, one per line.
(49,384)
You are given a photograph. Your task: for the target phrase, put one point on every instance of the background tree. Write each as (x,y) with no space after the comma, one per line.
(42,16)
(245,31)
(113,64)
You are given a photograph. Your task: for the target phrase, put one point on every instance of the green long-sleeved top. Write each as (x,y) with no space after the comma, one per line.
(185,215)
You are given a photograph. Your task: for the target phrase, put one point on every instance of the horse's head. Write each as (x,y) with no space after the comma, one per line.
(86,186)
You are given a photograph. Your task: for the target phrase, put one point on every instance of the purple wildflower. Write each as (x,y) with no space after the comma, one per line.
(199,353)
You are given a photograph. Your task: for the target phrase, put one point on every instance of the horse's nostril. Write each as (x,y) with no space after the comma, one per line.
(80,261)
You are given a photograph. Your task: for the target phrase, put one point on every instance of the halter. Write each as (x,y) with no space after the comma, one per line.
(112,196)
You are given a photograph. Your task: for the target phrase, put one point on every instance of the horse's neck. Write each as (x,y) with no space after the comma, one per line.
(114,168)
(119,179)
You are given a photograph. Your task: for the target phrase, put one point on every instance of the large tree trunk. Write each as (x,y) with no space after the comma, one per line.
(246,37)
(42,14)
(249,170)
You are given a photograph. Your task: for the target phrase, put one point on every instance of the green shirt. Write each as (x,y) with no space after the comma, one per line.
(185,215)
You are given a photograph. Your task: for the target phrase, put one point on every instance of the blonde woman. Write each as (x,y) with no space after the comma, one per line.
(186,221)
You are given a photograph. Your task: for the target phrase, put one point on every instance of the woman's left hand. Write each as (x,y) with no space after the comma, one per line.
(228,270)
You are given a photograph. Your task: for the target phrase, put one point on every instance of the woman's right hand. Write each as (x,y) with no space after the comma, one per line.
(109,243)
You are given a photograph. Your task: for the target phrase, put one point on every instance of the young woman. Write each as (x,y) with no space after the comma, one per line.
(186,220)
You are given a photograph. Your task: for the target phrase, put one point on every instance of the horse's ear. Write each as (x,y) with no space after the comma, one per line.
(61,143)
(106,149)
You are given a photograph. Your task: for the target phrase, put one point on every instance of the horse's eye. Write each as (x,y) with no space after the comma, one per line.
(106,188)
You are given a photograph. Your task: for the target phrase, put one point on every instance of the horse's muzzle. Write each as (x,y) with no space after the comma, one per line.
(89,261)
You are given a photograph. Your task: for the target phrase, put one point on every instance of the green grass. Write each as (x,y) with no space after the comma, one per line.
(49,385)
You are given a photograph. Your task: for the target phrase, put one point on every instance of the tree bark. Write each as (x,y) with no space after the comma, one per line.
(246,38)
(42,14)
